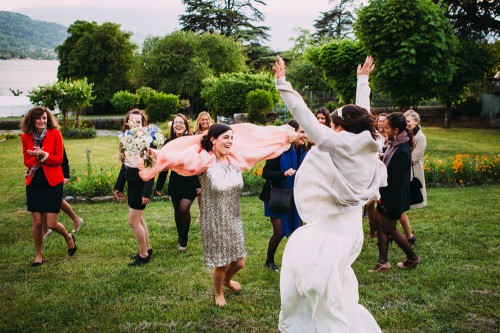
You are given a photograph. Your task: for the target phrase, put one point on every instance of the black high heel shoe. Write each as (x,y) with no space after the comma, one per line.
(73,250)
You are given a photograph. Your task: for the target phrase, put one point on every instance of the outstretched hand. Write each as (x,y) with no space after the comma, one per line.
(367,67)
(279,67)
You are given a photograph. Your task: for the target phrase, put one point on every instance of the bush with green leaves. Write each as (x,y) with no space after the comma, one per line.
(259,102)
(144,94)
(78,132)
(161,107)
(226,95)
(124,100)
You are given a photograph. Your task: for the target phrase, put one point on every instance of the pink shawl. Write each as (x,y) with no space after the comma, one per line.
(251,144)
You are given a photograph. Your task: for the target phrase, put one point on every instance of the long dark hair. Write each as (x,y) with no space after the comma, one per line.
(398,120)
(28,121)
(213,132)
(186,123)
(326,113)
(354,119)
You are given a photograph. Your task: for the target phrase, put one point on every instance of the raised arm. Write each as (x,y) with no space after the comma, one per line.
(363,88)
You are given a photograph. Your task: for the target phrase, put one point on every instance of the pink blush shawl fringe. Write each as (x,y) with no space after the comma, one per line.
(251,144)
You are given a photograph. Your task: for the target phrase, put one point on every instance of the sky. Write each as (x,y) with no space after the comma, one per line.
(159,17)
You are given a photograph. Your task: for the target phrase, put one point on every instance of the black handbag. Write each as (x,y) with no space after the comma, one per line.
(280,199)
(416,196)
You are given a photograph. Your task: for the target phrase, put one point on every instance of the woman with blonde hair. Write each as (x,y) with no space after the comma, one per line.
(417,167)
(43,155)
(202,123)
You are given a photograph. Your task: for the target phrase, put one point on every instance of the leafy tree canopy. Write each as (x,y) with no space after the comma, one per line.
(412,43)
(180,61)
(227,17)
(101,53)
(473,19)
(337,22)
(339,59)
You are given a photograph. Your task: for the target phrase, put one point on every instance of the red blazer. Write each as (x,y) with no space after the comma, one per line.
(52,144)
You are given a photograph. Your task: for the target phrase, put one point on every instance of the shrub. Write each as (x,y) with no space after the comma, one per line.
(252,179)
(10,124)
(85,131)
(144,94)
(108,123)
(226,95)
(259,102)
(94,182)
(161,107)
(124,100)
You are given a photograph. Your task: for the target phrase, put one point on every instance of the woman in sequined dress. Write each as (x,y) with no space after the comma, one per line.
(219,158)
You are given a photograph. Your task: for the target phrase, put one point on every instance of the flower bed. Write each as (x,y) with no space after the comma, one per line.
(462,169)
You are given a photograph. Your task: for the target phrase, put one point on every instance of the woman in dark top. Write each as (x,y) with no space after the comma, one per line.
(138,191)
(395,198)
(43,155)
(280,172)
(183,190)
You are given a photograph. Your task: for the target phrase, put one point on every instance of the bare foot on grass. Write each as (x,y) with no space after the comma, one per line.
(234,286)
(220,301)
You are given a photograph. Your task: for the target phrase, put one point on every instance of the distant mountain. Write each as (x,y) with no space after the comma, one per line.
(22,37)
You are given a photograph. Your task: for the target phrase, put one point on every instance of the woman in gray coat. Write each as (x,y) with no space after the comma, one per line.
(417,163)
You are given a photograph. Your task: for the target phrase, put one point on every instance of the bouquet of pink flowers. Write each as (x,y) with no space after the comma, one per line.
(136,140)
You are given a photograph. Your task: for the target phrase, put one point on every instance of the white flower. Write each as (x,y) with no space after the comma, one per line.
(136,141)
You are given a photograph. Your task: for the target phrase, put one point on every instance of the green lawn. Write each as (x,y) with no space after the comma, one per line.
(453,290)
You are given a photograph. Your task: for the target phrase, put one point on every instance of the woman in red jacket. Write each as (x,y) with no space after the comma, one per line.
(43,156)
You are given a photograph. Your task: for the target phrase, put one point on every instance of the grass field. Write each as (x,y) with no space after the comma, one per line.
(453,290)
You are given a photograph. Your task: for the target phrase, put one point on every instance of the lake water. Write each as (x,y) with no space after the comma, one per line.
(26,74)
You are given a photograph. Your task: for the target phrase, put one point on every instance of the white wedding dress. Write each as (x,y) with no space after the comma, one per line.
(318,288)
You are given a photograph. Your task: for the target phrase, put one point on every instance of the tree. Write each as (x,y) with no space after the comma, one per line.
(339,59)
(473,63)
(231,18)
(337,22)
(101,53)
(308,79)
(179,62)
(65,95)
(474,19)
(412,43)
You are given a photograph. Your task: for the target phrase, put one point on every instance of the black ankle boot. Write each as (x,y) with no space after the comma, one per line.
(140,261)
(134,256)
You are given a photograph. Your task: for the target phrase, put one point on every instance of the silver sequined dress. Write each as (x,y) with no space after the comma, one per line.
(221,225)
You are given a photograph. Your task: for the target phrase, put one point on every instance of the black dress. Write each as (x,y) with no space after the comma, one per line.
(41,197)
(179,187)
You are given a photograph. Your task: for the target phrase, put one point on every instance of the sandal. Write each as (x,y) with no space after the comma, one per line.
(408,264)
(381,267)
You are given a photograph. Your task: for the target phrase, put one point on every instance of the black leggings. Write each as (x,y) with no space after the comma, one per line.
(182,217)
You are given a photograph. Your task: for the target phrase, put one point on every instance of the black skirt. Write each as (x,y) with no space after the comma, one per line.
(41,197)
(182,187)
(135,188)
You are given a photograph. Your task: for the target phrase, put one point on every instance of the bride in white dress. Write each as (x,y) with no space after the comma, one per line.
(342,172)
